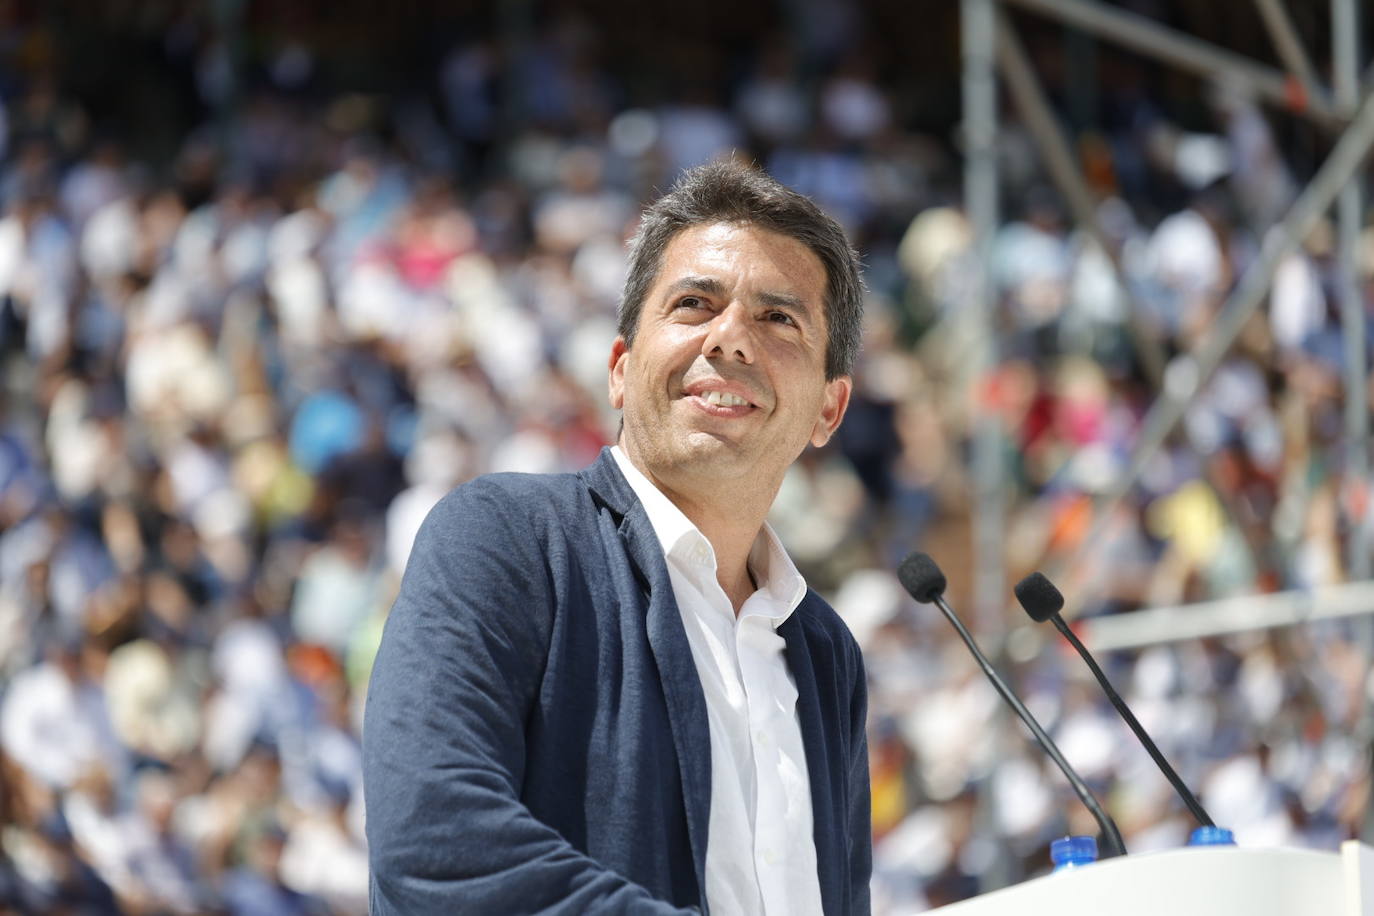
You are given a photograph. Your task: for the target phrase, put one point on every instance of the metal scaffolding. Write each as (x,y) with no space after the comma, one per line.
(1342,108)
(1347,109)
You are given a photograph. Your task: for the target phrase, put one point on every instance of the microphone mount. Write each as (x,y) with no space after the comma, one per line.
(924,581)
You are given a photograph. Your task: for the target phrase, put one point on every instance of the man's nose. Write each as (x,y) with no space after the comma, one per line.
(729,335)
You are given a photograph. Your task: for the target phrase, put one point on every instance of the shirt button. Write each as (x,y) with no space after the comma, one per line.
(761,738)
(770,856)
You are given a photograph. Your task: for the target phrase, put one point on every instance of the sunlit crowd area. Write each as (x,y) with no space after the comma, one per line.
(234,378)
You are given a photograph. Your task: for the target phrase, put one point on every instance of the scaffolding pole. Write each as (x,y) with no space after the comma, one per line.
(980,192)
(1228,617)
(1345,26)
(979,38)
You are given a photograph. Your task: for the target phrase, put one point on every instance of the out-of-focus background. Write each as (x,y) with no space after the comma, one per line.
(276,276)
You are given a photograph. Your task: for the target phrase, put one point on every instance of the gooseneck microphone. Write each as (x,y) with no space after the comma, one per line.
(1042,601)
(923,581)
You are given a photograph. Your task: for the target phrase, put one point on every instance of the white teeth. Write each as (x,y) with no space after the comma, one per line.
(723,399)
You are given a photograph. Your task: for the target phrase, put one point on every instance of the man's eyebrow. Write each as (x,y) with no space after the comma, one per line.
(708,285)
(785,301)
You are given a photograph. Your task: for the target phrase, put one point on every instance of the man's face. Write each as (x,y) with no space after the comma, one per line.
(726,379)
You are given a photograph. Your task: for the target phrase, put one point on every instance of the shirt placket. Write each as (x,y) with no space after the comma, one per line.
(722,620)
(770,841)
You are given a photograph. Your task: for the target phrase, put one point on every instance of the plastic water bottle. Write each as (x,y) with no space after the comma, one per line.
(1073,851)
(1212,836)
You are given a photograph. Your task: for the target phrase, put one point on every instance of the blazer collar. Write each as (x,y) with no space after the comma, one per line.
(821,741)
(672,652)
(609,487)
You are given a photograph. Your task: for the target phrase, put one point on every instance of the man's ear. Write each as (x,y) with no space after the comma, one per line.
(620,351)
(836,402)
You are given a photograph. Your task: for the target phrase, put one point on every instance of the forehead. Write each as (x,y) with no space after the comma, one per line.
(741,254)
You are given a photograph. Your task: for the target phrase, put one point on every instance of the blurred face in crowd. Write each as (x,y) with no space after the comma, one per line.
(726,380)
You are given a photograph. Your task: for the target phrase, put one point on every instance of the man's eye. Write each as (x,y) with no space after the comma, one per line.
(689,302)
(782,317)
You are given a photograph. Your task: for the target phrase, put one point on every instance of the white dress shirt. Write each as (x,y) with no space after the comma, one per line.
(760,854)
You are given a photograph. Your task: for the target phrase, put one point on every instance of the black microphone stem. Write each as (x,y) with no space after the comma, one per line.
(1135,725)
(1111,836)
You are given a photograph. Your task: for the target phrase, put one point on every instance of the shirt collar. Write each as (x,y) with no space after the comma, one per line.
(773,569)
(670,525)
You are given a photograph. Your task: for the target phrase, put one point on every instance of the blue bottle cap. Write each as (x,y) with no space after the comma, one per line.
(1072,851)
(1212,836)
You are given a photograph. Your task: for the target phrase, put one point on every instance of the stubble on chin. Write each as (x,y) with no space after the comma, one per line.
(674,456)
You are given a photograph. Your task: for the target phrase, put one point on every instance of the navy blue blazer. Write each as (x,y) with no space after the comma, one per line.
(535,737)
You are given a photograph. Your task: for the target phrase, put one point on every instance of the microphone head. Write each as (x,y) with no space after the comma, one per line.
(1039,597)
(921,577)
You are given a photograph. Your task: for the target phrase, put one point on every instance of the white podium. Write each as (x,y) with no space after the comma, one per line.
(1203,881)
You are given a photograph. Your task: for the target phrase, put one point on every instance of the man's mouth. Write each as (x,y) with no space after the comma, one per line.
(723,399)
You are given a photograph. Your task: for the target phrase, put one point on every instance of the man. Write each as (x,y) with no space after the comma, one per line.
(611,692)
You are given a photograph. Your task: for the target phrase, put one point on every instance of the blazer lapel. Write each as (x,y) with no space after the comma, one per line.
(827,790)
(671,651)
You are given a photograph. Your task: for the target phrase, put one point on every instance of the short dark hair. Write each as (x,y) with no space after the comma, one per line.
(726,191)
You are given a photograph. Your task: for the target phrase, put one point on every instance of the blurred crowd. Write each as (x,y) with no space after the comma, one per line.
(235,382)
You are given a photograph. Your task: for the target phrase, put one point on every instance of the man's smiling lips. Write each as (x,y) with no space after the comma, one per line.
(720,398)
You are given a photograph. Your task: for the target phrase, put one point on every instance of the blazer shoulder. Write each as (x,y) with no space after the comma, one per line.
(819,616)
(528,514)
(823,623)
(508,495)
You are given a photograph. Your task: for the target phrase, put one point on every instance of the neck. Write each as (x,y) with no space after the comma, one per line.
(732,535)
(729,517)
